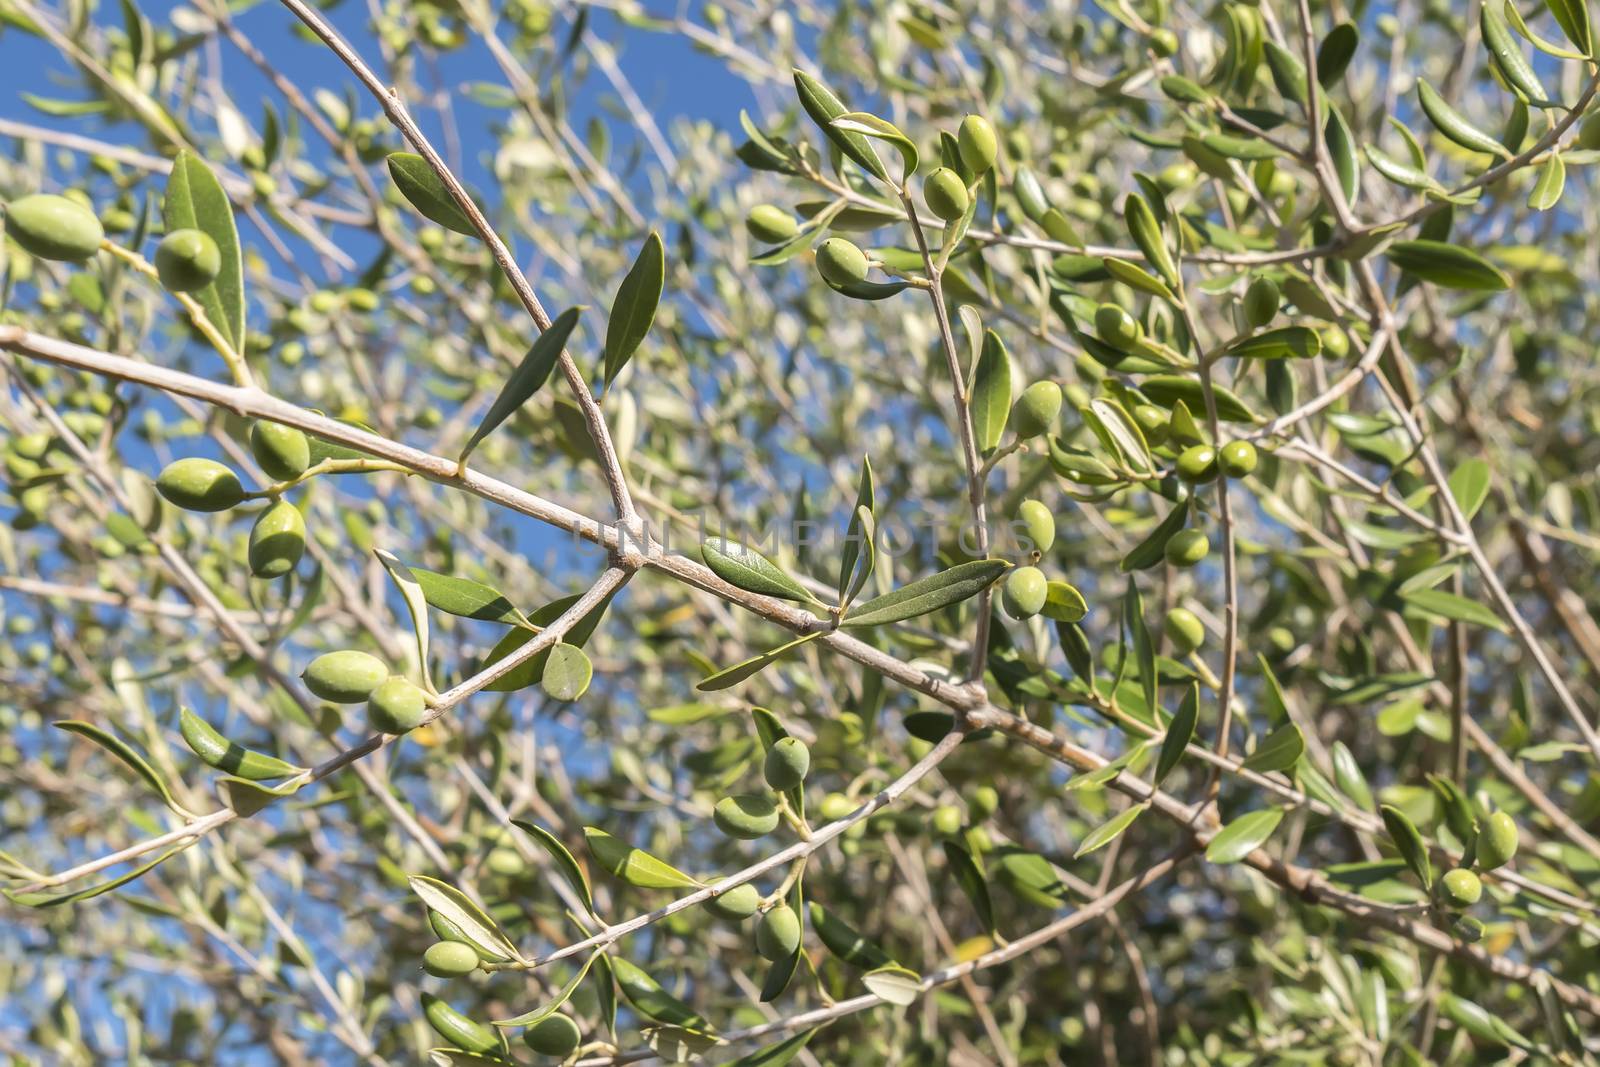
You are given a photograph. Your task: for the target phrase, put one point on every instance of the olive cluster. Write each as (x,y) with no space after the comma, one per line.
(395,704)
(1492,846)
(748,816)
(65,229)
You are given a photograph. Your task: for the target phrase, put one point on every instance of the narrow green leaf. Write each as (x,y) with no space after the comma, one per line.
(127,754)
(1243,836)
(475,925)
(1136,276)
(860,553)
(1280,751)
(1167,389)
(845,941)
(416,603)
(1348,777)
(961,582)
(466,598)
(1285,342)
(1063,602)
(1146,233)
(894,984)
(1148,553)
(634,866)
(649,999)
(729,677)
(748,569)
(1447,265)
(990,401)
(55,900)
(217,751)
(1573,18)
(419,184)
(1448,605)
(869,125)
(1341,144)
(1469,484)
(564,994)
(1144,649)
(1108,831)
(1453,125)
(969,876)
(247,797)
(634,310)
(1179,732)
(823,107)
(776,1055)
(564,860)
(1507,55)
(195,200)
(1550,183)
(1408,842)
(530,375)
(1335,53)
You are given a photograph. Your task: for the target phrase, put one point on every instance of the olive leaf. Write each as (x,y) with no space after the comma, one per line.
(779,1054)
(1335,53)
(894,984)
(729,677)
(1144,649)
(426,192)
(860,552)
(1453,125)
(1449,605)
(1507,55)
(1146,233)
(416,604)
(1348,777)
(989,404)
(1548,186)
(1469,485)
(565,862)
(40,899)
(964,867)
(1139,278)
(1447,265)
(129,755)
(248,796)
(634,310)
(531,670)
(1408,842)
(961,582)
(634,866)
(527,379)
(567,672)
(844,940)
(748,569)
(1243,836)
(1285,342)
(1063,602)
(1148,553)
(467,599)
(217,751)
(1573,18)
(1179,732)
(564,994)
(1168,389)
(824,107)
(1280,751)
(195,200)
(1030,876)
(649,999)
(472,921)
(1108,831)
(869,125)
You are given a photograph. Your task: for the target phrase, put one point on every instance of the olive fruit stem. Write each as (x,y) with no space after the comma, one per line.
(327,466)
(793,818)
(778,895)
(197,314)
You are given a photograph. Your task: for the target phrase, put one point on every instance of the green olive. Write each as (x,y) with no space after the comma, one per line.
(737,904)
(977,144)
(1177,176)
(746,816)
(460,1031)
(1335,342)
(54,227)
(1038,523)
(345,677)
(841,262)
(449,959)
(770,223)
(1184,630)
(788,762)
(1197,464)
(196,484)
(504,861)
(395,706)
(1187,548)
(277,541)
(1036,410)
(1155,422)
(188,261)
(1460,888)
(836,806)
(778,933)
(946,194)
(283,451)
(984,802)
(1164,43)
(554,1035)
(947,820)
(1261,302)
(1497,841)
(1237,459)
(1116,327)
(361,299)
(1025,591)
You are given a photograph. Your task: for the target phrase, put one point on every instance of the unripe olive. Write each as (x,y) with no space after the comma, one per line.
(947,820)
(449,959)
(361,299)
(1039,524)
(324,302)
(976,140)
(1187,548)
(188,260)
(504,860)
(31,445)
(984,802)
(53,227)
(746,816)
(395,706)
(1261,301)
(1335,342)
(1164,42)
(788,762)
(1184,630)
(1237,459)
(277,541)
(1154,421)
(737,904)
(1116,327)
(1589,132)
(457,1029)
(770,223)
(778,933)
(196,484)
(1459,888)
(1024,593)
(946,194)
(1036,409)
(841,262)
(836,806)
(346,677)
(283,451)
(1177,176)
(1197,464)
(1497,841)
(554,1035)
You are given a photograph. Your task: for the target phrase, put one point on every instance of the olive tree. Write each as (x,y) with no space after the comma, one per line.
(1054,533)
